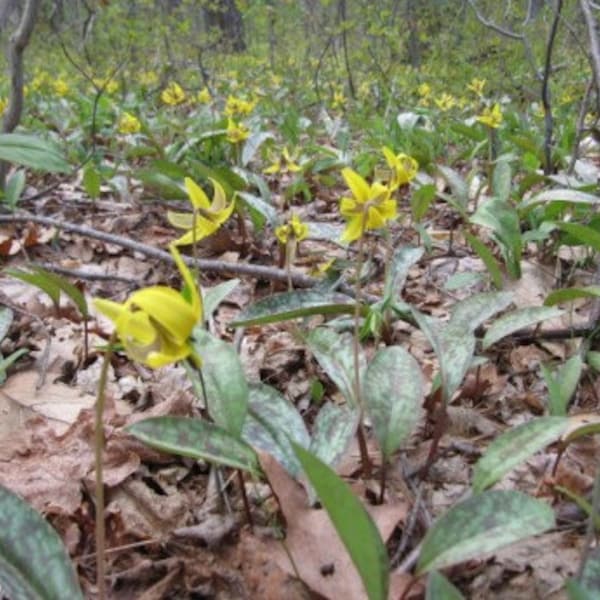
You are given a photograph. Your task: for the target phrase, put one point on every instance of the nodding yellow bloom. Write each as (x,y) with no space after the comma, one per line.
(445,102)
(476,86)
(129,123)
(155,323)
(294,229)
(173,94)
(238,106)
(339,100)
(61,87)
(204,96)
(283,164)
(404,168)
(237,132)
(109,86)
(207,216)
(492,117)
(371,206)
(148,78)
(424,90)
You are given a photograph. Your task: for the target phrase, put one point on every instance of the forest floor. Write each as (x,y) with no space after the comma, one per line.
(174,529)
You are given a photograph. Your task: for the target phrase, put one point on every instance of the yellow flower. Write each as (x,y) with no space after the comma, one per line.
(148,78)
(404,168)
(237,106)
(294,229)
(339,100)
(237,132)
(283,164)
(155,323)
(207,216)
(492,117)
(110,86)
(424,90)
(371,206)
(129,123)
(39,81)
(173,94)
(61,87)
(204,96)
(3,104)
(445,102)
(476,86)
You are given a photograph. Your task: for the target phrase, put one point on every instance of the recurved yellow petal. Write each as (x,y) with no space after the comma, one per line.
(354,229)
(358,186)
(196,194)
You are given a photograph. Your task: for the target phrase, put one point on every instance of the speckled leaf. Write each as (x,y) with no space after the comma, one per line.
(439,588)
(34,564)
(566,195)
(32,151)
(480,525)
(6,319)
(271,423)
(333,351)
(518,319)
(454,347)
(196,438)
(333,430)
(402,261)
(588,586)
(393,393)
(353,524)
(515,446)
(475,310)
(291,305)
(213,296)
(224,382)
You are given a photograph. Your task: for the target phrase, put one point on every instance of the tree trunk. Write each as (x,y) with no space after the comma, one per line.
(227,19)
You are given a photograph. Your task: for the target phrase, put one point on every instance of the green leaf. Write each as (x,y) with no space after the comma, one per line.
(31,151)
(518,319)
(212,297)
(501,179)
(14,188)
(10,360)
(224,381)
(91,181)
(334,353)
(333,430)
(568,294)
(462,280)
(34,564)
(253,143)
(439,588)
(46,284)
(352,523)
(393,393)
(586,235)
(562,384)
(272,423)
(421,200)
(402,261)
(6,319)
(564,195)
(487,256)
(480,525)
(514,447)
(197,439)
(592,358)
(475,310)
(291,305)
(458,185)
(454,347)
(588,586)
(261,210)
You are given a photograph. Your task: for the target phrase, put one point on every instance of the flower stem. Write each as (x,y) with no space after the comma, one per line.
(98,458)
(362,444)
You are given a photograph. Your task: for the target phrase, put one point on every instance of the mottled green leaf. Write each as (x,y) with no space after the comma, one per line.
(502,179)
(334,352)
(565,195)
(353,524)
(252,144)
(586,235)
(224,381)
(514,447)
(272,422)
(6,319)
(268,213)
(562,384)
(488,258)
(31,151)
(34,564)
(291,305)
(472,312)
(393,393)
(196,438)
(439,588)
(333,430)
(457,184)
(480,525)
(518,319)
(590,577)
(402,261)
(213,296)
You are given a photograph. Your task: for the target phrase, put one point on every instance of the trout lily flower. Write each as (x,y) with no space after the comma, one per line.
(173,94)
(207,216)
(371,206)
(404,168)
(155,323)
(492,117)
(294,229)
(129,123)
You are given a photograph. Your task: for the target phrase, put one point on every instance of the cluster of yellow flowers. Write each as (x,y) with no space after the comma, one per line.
(110,86)
(294,230)
(129,123)
(238,107)
(237,132)
(491,116)
(283,164)
(373,205)
(173,94)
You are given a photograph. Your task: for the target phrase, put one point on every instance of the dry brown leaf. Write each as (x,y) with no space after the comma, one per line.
(313,542)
